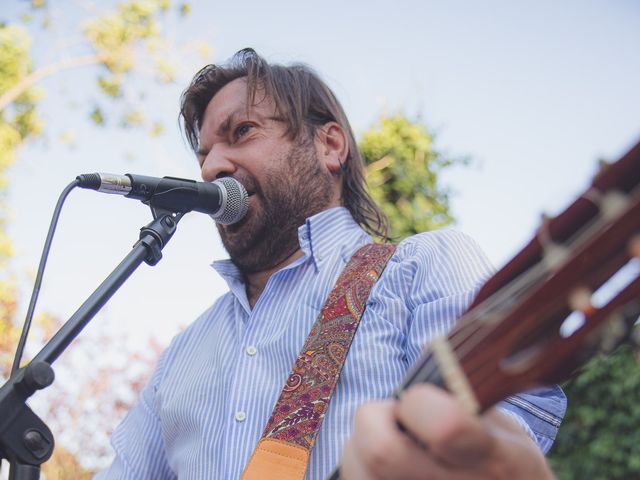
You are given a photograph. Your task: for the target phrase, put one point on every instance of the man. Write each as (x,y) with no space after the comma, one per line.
(282,134)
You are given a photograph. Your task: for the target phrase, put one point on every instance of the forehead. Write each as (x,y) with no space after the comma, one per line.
(230,102)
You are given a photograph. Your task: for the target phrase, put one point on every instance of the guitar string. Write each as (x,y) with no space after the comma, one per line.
(429,368)
(478,316)
(606,310)
(524,281)
(577,241)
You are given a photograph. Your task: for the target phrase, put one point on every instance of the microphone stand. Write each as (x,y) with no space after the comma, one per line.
(25,440)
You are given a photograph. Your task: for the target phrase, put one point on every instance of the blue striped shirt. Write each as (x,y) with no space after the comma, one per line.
(213,390)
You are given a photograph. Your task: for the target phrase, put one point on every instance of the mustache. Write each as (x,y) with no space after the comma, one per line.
(248,182)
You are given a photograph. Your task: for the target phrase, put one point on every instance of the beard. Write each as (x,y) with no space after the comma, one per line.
(288,195)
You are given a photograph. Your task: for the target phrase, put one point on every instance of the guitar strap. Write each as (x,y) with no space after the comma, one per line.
(283,451)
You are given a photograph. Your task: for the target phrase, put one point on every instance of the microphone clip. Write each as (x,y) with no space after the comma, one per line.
(157,233)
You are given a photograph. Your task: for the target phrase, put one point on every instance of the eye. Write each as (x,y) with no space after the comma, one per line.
(241,130)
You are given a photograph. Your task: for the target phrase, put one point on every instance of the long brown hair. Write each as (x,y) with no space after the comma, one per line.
(305,103)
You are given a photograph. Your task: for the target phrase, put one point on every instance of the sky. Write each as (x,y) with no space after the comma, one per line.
(534,93)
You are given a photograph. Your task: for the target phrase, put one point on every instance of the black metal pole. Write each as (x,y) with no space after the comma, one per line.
(72,327)
(25,440)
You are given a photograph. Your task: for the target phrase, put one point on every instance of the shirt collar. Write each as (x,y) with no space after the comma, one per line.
(321,234)
(330,231)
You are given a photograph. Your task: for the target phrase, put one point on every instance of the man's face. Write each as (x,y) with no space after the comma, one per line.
(285,180)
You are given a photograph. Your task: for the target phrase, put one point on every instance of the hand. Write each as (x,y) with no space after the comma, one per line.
(459,446)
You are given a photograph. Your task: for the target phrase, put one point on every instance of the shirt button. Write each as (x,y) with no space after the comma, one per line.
(240,416)
(251,350)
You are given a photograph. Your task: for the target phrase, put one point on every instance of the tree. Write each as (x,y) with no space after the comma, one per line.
(117,44)
(404,175)
(18,123)
(91,396)
(600,436)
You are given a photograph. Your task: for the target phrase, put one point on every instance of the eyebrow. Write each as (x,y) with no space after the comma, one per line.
(225,126)
(222,130)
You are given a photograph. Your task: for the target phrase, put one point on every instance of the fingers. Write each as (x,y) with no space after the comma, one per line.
(491,446)
(506,429)
(459,445)
(516,455)
(435,418)
(379,450)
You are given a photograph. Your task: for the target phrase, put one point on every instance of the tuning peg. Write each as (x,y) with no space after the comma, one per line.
(611,204)
(634,246)
(580,299)
(553,254)
(603,164)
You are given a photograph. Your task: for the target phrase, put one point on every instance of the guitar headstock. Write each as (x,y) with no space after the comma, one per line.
(574,289)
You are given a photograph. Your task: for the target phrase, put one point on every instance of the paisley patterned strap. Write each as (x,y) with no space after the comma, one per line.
(300,410)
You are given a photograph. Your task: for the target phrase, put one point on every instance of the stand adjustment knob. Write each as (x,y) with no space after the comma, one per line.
(37,444)
(38,375)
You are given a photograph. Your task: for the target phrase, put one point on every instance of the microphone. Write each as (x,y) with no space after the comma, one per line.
(225,199)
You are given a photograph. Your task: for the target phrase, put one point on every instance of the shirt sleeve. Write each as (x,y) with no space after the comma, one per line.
(443,271)
(137,441)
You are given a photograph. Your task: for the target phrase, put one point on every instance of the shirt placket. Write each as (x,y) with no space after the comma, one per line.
(244,418)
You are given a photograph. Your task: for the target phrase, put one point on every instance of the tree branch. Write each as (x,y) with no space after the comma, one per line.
(19,88)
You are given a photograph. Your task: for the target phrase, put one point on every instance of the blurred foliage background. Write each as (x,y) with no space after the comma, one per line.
(600,438)
(115,43)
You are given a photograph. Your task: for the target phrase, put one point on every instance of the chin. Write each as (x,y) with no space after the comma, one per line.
(242,235)
(238,226)
(235,227)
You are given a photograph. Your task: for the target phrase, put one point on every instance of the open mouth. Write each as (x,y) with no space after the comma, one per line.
(235,227)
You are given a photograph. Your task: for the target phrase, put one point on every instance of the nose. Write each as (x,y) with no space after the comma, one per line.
(216,165)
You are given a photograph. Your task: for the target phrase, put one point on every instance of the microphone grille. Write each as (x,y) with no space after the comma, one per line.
(236,203)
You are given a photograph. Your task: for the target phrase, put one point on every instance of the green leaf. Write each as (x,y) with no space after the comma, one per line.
(97,116)
(133,118)
(111,85)
(185,9)
(157,129)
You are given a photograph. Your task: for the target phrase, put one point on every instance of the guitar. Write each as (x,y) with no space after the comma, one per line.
(548,310)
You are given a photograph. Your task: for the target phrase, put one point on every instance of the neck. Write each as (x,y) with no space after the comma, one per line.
(255,282)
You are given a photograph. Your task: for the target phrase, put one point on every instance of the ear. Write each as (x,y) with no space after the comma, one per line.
(332,146)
